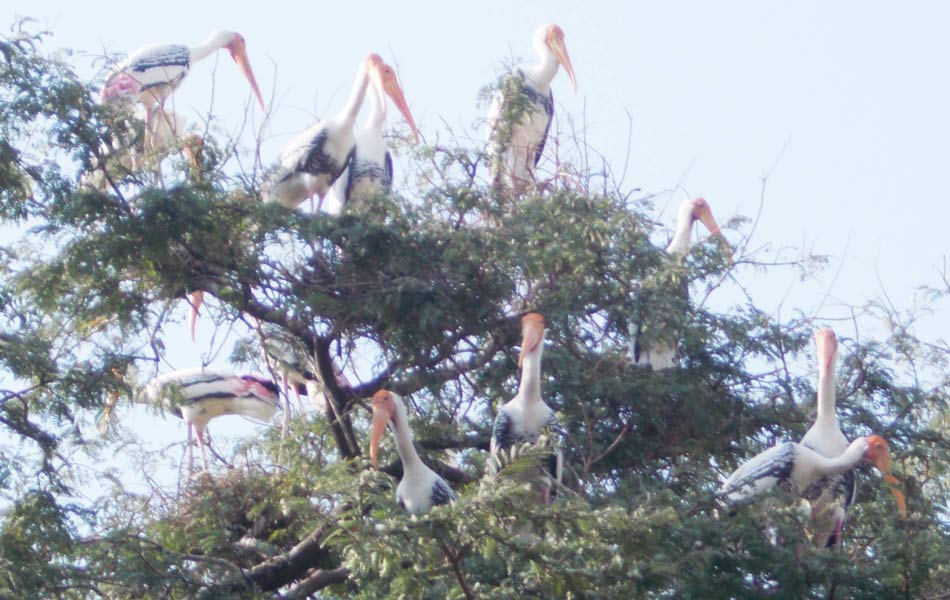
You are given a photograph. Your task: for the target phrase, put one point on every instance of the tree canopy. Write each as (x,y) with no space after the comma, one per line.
(422,295)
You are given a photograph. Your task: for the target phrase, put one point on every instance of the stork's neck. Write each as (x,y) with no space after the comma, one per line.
(352,106)
(826,397)
(530,388)
(843,462)
(403,434)
(542,72)
(214,43)
(377,112)
(681,239)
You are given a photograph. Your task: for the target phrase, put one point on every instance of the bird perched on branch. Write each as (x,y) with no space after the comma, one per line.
(199,395)
(420,488)
(152,73)
(829,498)
(313,160)
(653,339)
(793,467)
(525,417)
(522,110)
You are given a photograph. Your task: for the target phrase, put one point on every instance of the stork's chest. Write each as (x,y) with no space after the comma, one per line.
(527,421)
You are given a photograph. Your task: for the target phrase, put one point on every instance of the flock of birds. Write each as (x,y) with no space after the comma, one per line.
(333,158)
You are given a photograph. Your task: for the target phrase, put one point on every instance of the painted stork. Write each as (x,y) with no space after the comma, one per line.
(199,395)
(651,344)
(370,170)
(524,417)
(521,113)
(794,467)
(421,488)
(314,159)
(150,74)
(830,497)
(290,359)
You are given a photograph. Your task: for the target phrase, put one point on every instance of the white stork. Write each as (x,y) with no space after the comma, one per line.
(199,395)
(525,417)
(421,488)
(829,497)
(794,467)
(650,344)
(314,159)
(370,170)
(521,113)
(150,74)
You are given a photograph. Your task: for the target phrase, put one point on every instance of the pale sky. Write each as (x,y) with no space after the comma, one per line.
(849,101)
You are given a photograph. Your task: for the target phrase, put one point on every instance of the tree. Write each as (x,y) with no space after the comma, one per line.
(425,293)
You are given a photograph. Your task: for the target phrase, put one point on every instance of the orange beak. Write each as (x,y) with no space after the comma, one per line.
(881,458)
(532,327)
(238,50)
(556,44)
(383,410)
(195,299)
(394,91)
(703,214)
(827,345)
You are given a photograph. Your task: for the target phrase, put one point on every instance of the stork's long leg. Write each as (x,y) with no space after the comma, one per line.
(204,453)
(191,454)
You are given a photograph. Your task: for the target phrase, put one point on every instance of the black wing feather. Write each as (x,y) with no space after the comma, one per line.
(442,493)
(549,109)
(388,182)
(501,432)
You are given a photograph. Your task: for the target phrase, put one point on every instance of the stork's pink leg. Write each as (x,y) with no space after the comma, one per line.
(195,299)
(839,526)
(204,453)
(191,454)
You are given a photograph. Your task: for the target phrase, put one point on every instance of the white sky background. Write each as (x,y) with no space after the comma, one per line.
(855,92)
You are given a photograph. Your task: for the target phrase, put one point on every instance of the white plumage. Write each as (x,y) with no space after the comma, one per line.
(370,170)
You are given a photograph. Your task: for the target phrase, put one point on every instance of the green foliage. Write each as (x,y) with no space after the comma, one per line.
(422,294)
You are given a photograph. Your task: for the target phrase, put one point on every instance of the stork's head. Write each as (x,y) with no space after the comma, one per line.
(384,412)
(878,454)
(390,85)
(238,48)
(827,345)
(532,331)
(551,37)
(700,211)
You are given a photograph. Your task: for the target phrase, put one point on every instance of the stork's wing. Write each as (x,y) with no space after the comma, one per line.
(549,109)
(761,473)
(501,432)
(442,493)
(388,182)
(554,463)
(152,66)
